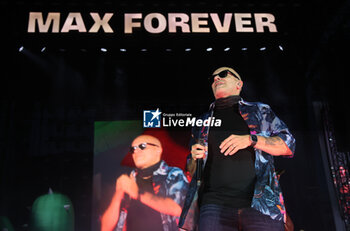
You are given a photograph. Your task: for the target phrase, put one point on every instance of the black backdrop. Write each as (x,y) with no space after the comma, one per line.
(50,99)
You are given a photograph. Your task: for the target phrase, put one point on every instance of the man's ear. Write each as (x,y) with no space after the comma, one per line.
(160,151)
(240,84)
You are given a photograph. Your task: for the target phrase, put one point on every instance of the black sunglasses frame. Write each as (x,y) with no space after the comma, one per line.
(141,146)
(223,74)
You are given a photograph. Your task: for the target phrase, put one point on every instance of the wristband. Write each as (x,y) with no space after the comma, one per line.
(254,140)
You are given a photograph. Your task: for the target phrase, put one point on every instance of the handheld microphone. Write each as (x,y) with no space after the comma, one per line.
(199,163)
(199,169)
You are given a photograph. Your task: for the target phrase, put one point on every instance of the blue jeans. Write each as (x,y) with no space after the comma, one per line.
(220,218)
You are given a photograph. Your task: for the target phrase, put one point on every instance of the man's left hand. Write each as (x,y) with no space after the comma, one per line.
(233,143)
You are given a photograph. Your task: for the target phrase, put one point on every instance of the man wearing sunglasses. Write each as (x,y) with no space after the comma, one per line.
(151,197)
(238,189)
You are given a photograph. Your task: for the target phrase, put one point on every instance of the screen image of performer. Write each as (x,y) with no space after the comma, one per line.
(238,189)
(151,197)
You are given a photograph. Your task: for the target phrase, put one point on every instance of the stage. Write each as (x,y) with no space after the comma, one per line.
(77,78)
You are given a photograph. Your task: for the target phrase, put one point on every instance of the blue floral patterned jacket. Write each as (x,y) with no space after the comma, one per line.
(267,198)
(167,182)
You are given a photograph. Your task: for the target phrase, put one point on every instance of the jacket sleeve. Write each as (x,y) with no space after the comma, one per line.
(178,185)
(277,127)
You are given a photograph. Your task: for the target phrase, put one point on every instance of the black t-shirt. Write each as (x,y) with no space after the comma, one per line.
(140,216)
(228,180)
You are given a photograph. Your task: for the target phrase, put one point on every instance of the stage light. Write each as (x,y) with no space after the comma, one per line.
(227,49)
(244,49)
(103,49)
(262,48)
(21,49)
(168,49)
(188,49)
(122,49)
(280,47)
(209,49)
(43,49)
(144,49)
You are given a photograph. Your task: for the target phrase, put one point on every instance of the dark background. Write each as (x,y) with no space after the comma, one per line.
(49,100)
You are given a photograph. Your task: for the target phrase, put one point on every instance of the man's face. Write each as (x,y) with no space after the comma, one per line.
(225,86)
(150,155)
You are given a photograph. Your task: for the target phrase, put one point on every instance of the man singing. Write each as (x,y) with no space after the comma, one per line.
(239,188)
(150,198)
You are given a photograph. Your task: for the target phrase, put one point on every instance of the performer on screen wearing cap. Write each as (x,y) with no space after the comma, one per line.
(239,189)
(151,197)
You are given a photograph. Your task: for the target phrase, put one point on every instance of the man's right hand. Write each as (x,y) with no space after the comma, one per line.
(198,151)
(127,184)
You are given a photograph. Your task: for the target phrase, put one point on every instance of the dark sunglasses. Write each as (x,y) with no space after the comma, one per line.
(223,74)
(141,146)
